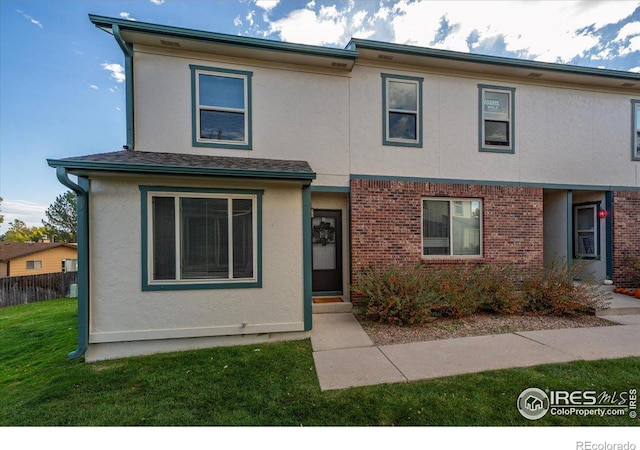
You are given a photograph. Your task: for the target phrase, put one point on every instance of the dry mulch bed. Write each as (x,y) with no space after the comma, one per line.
(476,325)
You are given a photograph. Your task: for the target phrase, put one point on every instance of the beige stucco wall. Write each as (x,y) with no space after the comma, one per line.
(51,261)
(333,120)
(121,311)
(562,135)
(296,114)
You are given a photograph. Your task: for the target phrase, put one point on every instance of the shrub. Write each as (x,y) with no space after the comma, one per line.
(396,295)
(559,289)
(412,295)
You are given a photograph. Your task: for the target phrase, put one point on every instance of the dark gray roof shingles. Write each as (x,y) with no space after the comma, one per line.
(130,160)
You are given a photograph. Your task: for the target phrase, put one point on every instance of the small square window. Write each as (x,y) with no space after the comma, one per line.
(221,107)
(402,110)
(496,119)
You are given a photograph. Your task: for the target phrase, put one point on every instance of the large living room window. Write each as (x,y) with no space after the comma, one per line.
(496,119)
(202,238)
(451,227)
(402,110)
(221,107)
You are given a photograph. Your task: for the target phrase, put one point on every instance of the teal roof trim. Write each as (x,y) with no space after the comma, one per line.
(106,23)
(365,44)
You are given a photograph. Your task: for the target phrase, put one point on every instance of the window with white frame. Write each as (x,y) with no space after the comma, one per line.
(451,227)
(221,107)
(202,237)
(496,118)
(402,110)
(586,231)
(635,130)
(69,265)
(35,264)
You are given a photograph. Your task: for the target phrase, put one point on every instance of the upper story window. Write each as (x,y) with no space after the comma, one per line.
(635,130)
(496,123)
(402,110)
(221,107)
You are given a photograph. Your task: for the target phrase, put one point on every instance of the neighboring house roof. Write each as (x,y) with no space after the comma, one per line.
(186,164)
(12,250)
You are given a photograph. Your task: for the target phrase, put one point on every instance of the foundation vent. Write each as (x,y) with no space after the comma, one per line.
(339,65)
(385,57)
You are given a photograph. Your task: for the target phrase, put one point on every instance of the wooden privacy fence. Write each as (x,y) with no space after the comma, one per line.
(35,288)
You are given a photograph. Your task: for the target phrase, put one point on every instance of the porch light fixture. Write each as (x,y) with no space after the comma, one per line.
(602,213)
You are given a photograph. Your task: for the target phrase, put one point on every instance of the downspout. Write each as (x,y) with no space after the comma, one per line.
(127,49)
(82,191)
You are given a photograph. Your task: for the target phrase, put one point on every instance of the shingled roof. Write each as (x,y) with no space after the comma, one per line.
(12,250)
(186,164)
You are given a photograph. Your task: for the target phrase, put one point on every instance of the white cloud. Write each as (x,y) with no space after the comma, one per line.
(29,18)
(237,21)
(267,5)
(117,71)
(126,15)
(635,69)
(30,213)
(545,30)
(306,27)
(157,2)
(93,86)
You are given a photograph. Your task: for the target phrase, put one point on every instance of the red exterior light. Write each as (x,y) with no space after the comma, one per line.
(602,213)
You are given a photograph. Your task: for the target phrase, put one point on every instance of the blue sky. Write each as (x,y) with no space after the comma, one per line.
(61,79)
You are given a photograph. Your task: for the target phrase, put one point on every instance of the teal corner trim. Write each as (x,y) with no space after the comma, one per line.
(195,132)
(184,286)
(635,130)
(512,119)
(127,49)
(569,228)
(82,191)
(306,256)
(608,205)
(386,140)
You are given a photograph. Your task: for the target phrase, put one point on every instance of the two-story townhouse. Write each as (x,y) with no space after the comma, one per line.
(258,175)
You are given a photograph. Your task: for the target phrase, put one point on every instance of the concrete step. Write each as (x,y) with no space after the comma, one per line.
(334,305)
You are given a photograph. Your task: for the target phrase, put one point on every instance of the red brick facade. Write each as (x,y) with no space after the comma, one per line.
(386,224)
(626,236)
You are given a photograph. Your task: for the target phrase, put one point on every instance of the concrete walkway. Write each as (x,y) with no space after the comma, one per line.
(346,357)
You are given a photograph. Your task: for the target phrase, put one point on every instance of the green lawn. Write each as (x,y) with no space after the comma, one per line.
(268,384)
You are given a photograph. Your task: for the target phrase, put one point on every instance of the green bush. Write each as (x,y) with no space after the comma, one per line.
(415,294)
(560,289)
(395,295)
(408,295)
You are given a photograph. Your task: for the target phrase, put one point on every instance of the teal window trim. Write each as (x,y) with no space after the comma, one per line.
(511,148)
(386,140)
(195,110)
(635,130)
(146,192)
